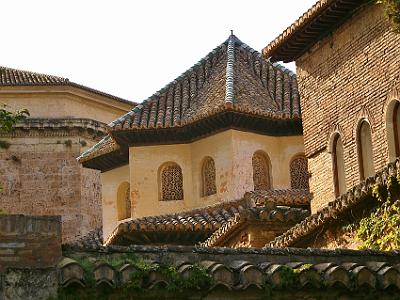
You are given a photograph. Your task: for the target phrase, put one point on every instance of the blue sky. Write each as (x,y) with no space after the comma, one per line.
(132,48)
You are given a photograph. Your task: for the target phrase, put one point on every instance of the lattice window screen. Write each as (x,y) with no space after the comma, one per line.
(208,177)
(261,172)
(171,183)
(299,173)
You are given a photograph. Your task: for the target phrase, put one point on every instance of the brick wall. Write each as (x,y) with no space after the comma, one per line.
(40,176)
(256,234)
(346,76)
(29,241)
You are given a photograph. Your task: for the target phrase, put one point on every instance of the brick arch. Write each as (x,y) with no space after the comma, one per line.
(364,114)
(335,129)
(363,138)
(338,166)
(392,126)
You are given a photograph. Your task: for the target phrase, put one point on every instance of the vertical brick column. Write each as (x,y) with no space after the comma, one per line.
(29,241)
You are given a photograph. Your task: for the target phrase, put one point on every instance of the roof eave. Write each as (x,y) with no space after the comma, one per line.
(319,21)
(191,132)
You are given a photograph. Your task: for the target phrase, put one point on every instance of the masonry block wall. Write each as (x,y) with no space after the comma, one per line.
(345,77)
(29,241)
(40,176)
(256,235)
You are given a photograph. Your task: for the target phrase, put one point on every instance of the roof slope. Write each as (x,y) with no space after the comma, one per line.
(196,225)
(321,19)
(231,87)
(15,77)
(183,228)
(356,198)
(232,75)
(289,274)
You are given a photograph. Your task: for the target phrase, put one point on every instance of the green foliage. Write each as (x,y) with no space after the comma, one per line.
(381,230)
(392,12)
(197,280)
(9,119)
(68,143)
(4,145)
(288,277)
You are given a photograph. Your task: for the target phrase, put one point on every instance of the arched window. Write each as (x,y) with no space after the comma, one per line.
(396,127)
(171,182)
(123,201)
(364,147)
(339,178)
(208,177)
(261,171)
(393,129)
(299,173)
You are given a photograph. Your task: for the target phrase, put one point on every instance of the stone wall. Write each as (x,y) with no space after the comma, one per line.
(256,234)
(345,77)
(40,176)
(110,272)
(30,249)
(29,241)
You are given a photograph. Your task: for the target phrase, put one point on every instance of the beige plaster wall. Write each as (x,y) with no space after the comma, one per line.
(280,150)
(110,182)
(50,103)
(220,148)
(144,164)
(232,152)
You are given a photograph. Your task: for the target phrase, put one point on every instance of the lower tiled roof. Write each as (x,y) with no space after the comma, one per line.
(355,196)
(196,225)
(91,240)
(268,213)
(15,77)
(286,197)
(241,271)
(187,227)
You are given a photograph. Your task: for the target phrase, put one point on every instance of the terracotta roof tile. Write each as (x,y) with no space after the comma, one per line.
(243,272)
(106,145)
(15,77)
(90,240)
(181,101)
(267,213)
(202,220)
(335,208)
(205,221)
(322,18)
(231,78)
(286,197)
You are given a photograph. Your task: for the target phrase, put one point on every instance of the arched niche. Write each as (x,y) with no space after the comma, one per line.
(123,201)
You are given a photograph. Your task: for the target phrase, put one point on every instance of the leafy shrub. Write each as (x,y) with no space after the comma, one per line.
(392,12)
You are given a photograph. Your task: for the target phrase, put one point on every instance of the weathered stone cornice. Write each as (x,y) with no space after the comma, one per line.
(38,127)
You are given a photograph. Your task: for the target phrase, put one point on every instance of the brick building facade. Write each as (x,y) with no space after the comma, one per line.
(346,78)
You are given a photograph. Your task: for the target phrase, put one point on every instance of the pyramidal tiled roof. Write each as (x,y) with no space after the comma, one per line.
(15,77)
(232,76)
